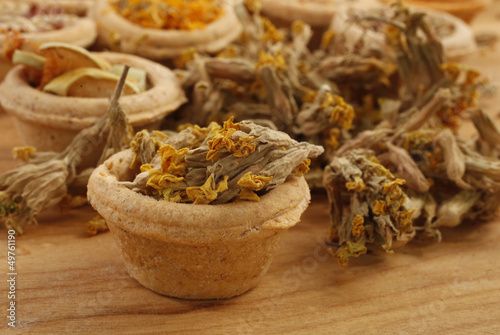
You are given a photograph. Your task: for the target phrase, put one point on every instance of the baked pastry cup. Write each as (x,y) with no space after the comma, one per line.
(76,30)
(316,13)
(49,122)
(454,34)
(78,7)
(464,9)
(80,31)
(119,34)
(194,251)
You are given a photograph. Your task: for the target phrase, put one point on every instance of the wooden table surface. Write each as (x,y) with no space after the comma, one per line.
(70,283)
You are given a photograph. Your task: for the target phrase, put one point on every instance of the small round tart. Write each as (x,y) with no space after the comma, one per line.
(77,7)
(49,122)
(455,35)
(50,24)
(464,9)
(316,13)
(194,251)
(120,34)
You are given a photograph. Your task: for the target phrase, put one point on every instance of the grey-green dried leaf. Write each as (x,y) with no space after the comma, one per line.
(454,159)
(408,169)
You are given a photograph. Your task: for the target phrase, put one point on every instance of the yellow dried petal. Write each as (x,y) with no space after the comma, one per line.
(358,185)
(222,140)
(351,249)
(206,193)
(357,225)
(97,225)
(332,138)
(393,186)
(302,168)
(146,167)
(298,26)
(380,207)
(173,161)
(161,181)
(23,153)
(248,194)
(253,6)
(276,61)
(471,76)
(327,39)
(271,33)
(452,69)
(342,114)
(253,182)
(404,220)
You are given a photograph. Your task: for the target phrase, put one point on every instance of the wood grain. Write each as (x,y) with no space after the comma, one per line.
(69,283)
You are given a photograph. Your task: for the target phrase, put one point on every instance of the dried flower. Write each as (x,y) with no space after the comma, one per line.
(237,161)
(169,14)
(97,225)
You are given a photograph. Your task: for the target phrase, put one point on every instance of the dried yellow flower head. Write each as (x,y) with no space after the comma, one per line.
(170,14)
(215,165)
(208,192)
(350,249)
(243,147)
(23,153)
(173,161)
(357,225)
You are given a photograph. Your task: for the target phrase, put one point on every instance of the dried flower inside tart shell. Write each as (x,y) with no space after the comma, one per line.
(120,34)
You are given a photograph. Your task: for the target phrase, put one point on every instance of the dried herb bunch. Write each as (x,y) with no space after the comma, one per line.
(412,174)
(215,165)
(271,78)
(44,178)
(395,166)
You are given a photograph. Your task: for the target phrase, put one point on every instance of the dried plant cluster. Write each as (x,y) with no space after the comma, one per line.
(169,14)
(393,165)
(216,165)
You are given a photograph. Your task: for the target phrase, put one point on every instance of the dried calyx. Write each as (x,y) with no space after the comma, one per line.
(215,165)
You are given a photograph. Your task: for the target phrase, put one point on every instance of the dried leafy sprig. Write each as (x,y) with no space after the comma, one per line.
(368,206)
(402,108)
(215,165)
(441,179)
(271,78)
(42,181)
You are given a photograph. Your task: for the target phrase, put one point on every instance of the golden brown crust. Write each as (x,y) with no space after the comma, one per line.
(279,209)
(194,251)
